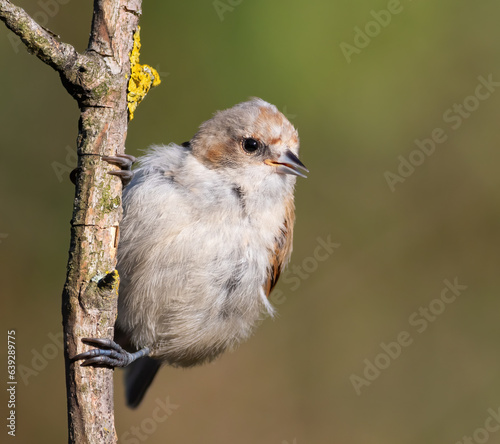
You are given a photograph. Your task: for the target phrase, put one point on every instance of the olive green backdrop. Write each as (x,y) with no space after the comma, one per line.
(364,89)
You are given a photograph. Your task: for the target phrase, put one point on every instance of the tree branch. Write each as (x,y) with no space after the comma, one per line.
(98,80)
(37,39)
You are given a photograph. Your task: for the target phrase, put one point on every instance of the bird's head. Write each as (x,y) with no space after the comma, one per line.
(250,143)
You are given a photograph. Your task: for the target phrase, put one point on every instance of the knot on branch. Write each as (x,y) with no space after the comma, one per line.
(110,281)
(142,77)
(88,80)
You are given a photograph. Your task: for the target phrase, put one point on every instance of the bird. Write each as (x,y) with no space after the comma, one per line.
(207,229)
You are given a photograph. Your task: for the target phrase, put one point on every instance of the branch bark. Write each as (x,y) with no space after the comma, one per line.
(97,79)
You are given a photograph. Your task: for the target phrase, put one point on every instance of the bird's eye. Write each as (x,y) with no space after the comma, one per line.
(250,145)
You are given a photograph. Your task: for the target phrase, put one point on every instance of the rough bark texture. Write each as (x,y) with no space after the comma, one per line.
(97,79)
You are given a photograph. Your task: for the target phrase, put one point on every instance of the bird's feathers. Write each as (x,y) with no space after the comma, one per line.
(207,230)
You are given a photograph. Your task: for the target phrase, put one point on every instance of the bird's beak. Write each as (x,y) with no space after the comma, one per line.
(288,163)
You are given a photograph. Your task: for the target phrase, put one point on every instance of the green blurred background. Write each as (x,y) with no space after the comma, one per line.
(292,382)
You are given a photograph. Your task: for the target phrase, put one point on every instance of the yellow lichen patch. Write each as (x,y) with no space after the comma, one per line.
(142,77)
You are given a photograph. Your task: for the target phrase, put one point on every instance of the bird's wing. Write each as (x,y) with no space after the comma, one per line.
(282,249)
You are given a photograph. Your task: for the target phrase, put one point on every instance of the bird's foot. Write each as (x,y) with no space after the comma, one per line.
(108,354)
(125,162)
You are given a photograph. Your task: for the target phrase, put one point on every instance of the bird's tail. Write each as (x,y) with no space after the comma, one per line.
(138,377)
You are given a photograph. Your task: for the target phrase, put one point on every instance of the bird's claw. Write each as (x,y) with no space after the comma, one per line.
(108,353)
(124,162)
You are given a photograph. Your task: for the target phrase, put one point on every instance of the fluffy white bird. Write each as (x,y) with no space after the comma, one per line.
(207,229)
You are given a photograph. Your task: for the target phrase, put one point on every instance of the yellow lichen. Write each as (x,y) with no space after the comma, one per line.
(142,77)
